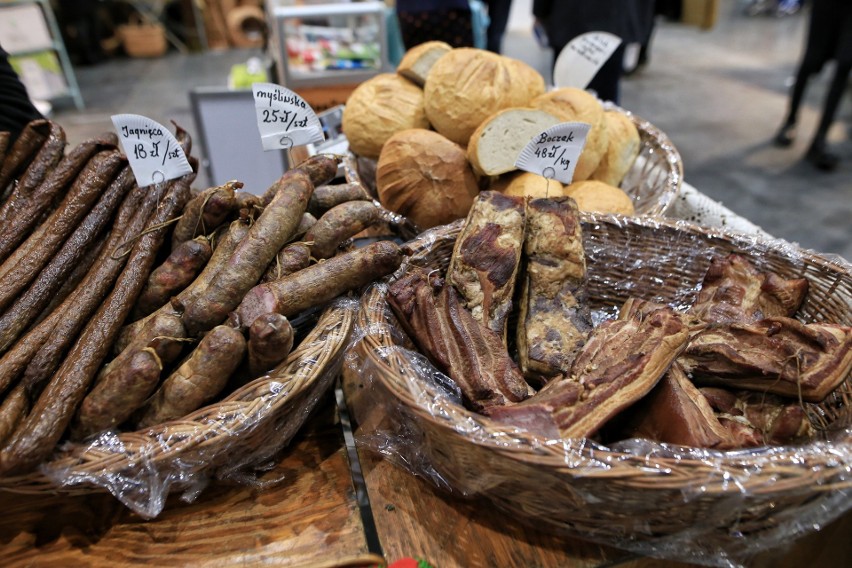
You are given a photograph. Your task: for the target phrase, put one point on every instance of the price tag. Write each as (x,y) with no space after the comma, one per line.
(553,153)
(284,119)
(580,60)
(155,155)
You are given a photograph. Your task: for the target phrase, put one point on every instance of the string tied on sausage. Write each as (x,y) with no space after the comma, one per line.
(129,242)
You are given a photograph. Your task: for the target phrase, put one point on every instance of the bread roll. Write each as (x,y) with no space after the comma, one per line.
(425,177)
(600,197)
(622,148)
(526,184)
(495,145)
(418,60)
(380,107)
(466,86)
(571,104)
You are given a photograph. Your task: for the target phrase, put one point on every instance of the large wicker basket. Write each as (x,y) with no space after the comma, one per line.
(701,506)
(229,438)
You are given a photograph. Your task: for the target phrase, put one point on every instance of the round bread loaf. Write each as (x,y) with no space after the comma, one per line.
(622,148)
(418,60)
(571,104)
(531,82)
(495,145)
(378,108)
(527,184)
(425,177)
(600,197)
(467,85)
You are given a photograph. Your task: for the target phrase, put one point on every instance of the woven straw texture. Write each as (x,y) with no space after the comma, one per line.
(703,506)
(244,429)
(655,178)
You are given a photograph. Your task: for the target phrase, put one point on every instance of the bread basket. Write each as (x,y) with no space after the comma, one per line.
(226,439)
(704,506)
(654,179)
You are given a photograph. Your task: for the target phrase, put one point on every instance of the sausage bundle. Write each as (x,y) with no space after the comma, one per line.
(122,307)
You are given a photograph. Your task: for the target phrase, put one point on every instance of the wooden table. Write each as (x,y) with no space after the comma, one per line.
(309,516)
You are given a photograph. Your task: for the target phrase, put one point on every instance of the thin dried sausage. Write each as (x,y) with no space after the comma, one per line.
(76,310)
(27,214)
(28,259)
(37,435)
(28,306)
(20,154)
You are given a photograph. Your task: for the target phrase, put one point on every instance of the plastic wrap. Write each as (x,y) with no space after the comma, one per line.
(704,506)
(233,439)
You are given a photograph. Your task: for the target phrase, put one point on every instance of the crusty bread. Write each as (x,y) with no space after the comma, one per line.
(425,177)
(527,184)
(531,82)
(467,85)
(570,104)
(600,197)
(497,142)
(622,148)
(418,60)
(379,107)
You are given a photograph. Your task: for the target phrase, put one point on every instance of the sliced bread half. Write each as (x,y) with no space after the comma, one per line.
(418,60)
(496,144)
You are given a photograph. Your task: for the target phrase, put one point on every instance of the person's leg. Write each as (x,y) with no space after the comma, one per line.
(818,153)
(819,47)
(498,15)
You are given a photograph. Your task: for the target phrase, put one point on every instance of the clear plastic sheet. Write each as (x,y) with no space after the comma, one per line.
(235,438)
(703,506)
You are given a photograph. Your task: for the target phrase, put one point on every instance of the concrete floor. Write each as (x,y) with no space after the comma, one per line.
(718,94)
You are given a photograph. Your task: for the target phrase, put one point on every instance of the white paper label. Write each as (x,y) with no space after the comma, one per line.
(284,119)
(553,153)
(580,60)
(154,154)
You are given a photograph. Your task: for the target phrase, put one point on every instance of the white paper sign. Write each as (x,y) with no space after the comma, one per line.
(284,119)
(553,153)
(580,60)
(154,154)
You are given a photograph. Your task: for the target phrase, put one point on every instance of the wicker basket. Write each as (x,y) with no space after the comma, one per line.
(240,432)
(654,179)
(702,506)
(652,182)
(143,39)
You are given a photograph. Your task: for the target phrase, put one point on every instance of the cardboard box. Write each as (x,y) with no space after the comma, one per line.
(700,13)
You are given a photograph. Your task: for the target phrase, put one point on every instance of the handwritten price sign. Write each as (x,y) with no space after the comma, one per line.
(284,119)
(553,153)
(579,61)
(154,154)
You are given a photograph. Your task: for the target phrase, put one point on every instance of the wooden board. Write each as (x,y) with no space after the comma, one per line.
(310,515)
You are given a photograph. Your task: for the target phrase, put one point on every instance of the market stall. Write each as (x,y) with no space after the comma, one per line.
(343,429)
